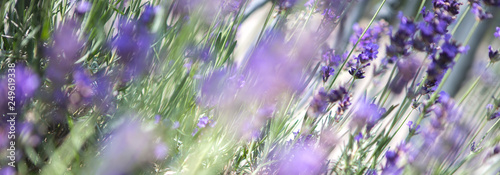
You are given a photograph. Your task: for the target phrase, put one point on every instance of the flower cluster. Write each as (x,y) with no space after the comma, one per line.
(323,99)
(478,10)
(368,47)
(401,41)
(440,64)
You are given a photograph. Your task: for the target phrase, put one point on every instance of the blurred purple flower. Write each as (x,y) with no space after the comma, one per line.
(411,127)
(176,125)
(326,72)
(133,44)
(371,36)
(28,134)
(195,130)
(28,82)
(365,114)
(271,72)
(83,7)
(358,137)
(285,4)
(497,32)
(322,99)
(8,170)
(203,121)
(332,11)
(329,58)
(302,160)
(492,2)
(217,90)
(494,116)
(371,172)
(83,91)
(148,14)
(479,12)
(407,70)
(157,119)
(493,55)
(129,147)
(440,65)
(161,151)
(402,39)
(63,53)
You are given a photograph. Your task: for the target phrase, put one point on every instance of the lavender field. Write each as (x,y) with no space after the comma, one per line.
(368,87)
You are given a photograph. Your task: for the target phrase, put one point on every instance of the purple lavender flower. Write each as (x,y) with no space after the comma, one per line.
(435,24)
(148,14)
(496,150)
(161,151)
(407,69)
(132,45)
(412,127)
(175,125)
(63,53)
(195,130)
(493,55)
(216,89)
(497,32)
(494,116)
(28,81)
(157,119)
(319,103)
(371,172)
(358,137)
(302,160)
(479,12)
(232,6)
(129,147)
(285,4)
(357,73)
(332,11)
(321,100)
(28,134)
(371,36)
(83,7)
(7,170)
(326,72)
(267,82)
(391,167)
(492,2)
(344,104)
(83,91)
(402,39)
(203,121)
(328,56)
(366,114)
(450,49)
(367,46)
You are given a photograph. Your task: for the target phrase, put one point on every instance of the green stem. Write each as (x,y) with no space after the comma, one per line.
(265,22)
(473,85)
(460,20)
(387,87)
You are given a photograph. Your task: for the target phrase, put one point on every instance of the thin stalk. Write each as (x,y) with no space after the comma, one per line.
(265,22)
(387,86)
(460,20)
(473,85)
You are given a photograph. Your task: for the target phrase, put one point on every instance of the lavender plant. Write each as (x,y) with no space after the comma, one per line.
(249,87)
